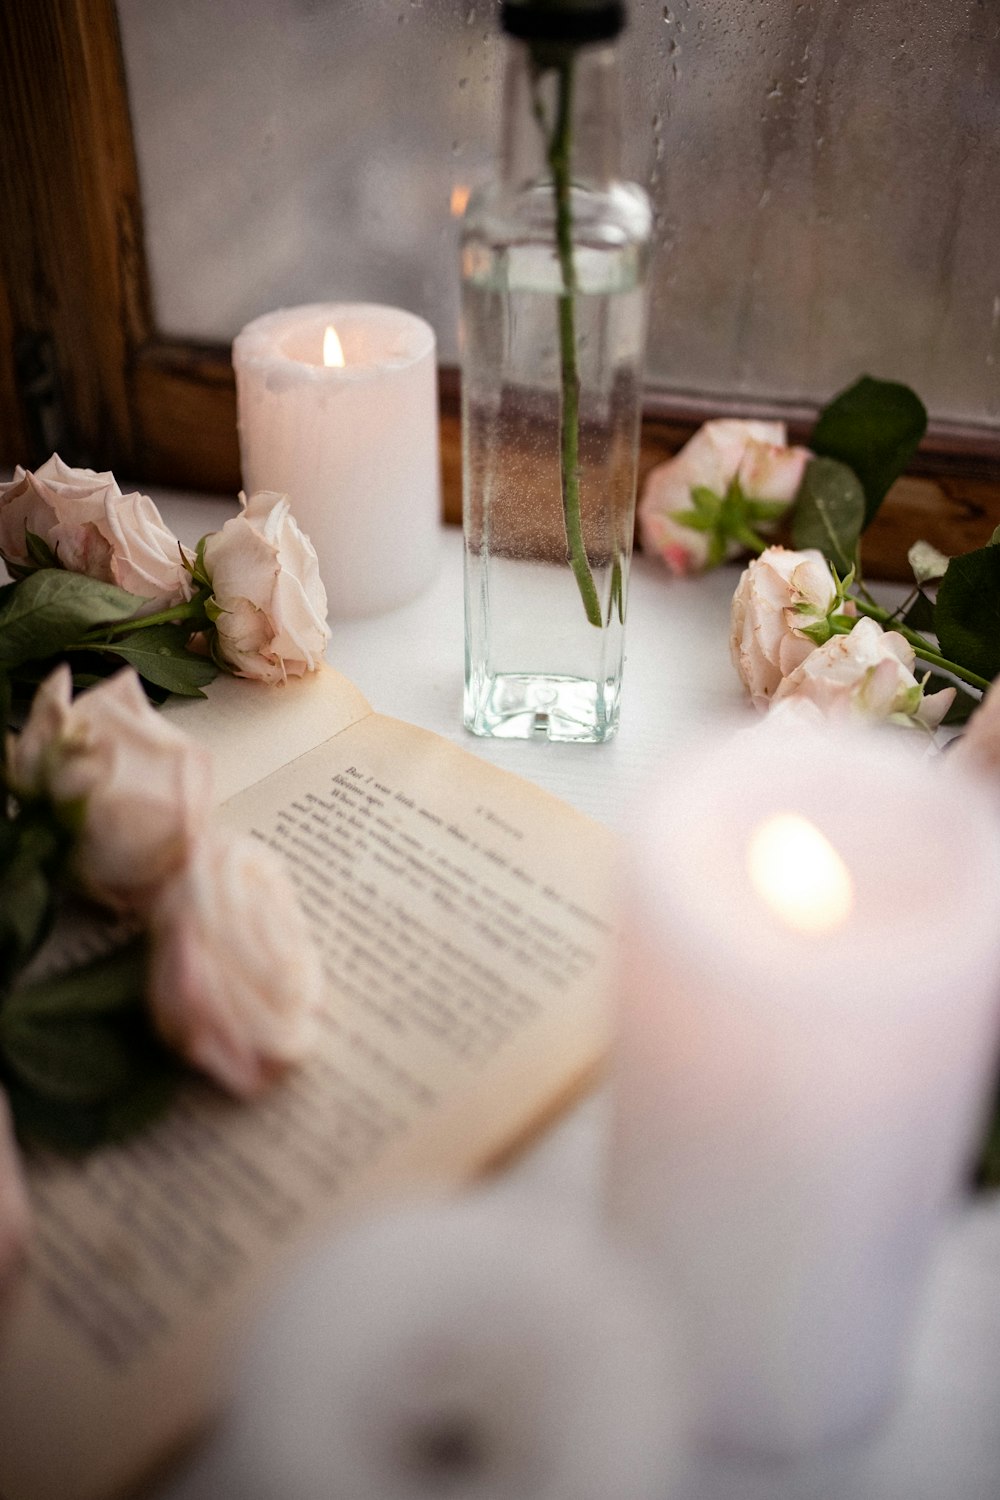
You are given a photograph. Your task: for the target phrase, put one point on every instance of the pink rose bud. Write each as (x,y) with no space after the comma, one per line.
(134,788)
(235,978)
(779,594)
(266,583)
(719,452)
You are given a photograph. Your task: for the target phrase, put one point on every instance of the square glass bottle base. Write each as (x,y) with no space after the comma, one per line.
(521,706)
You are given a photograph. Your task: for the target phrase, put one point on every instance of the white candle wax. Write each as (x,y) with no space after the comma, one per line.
(808,1030)
(355,446)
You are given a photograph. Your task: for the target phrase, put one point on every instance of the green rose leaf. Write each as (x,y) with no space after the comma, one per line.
(987,1174)
(829,512)
(39,551)
(874,427)
(51,609)
(30,849)
(160,655)
(78,1128)
(78,1053)
(920,615)
(967,614)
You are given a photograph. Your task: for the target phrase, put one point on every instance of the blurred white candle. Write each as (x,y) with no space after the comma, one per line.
(809,1025)
(337,407)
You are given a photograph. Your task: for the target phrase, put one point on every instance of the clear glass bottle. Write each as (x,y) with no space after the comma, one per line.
(554,256)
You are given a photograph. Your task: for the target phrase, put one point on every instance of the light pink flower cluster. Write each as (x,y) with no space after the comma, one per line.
(268,602)
(785,599)
(727,449)
(236,996)
(91,527)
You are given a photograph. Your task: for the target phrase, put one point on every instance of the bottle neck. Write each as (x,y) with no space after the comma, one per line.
(560,100)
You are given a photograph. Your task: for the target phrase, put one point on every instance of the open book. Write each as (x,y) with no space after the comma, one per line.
(463,918)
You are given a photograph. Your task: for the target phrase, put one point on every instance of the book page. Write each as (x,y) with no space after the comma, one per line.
(251,728)
(463,920)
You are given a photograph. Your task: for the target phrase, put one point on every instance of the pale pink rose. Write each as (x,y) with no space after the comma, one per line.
(235,980)
(94,529)
(779,594)
(133,787)
(720,451)
(146,557)
(266,583)
(868,673)
(14,1212)
(979,747)
(63,506)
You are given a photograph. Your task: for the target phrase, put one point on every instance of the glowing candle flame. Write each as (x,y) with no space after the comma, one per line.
(798,872)
(333,354)
(459,200)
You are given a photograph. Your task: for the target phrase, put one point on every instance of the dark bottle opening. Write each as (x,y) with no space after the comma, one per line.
(572,21)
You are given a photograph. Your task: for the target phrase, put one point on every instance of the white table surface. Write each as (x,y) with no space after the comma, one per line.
(943,1441)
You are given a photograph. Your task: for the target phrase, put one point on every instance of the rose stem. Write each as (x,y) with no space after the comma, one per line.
(559,162)
(923,650)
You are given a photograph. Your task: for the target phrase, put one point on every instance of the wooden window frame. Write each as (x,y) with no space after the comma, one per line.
(84,369)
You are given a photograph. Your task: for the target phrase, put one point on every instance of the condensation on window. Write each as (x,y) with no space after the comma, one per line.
(823,176)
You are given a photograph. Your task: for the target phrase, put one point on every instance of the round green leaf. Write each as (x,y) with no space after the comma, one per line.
(829,512)
(967,613)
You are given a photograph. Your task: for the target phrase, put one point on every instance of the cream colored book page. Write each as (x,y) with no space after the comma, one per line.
(463,916)
(252,728)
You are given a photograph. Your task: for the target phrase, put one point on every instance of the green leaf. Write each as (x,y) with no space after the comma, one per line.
(39,551)
(77,1128)
(32,846)
(100,988)
(829,511)
(705,501)
(617,601)
(160,655)
(53,608)
(988,1169)
(79,1056)
(874,427)
(920,615)
(967,614)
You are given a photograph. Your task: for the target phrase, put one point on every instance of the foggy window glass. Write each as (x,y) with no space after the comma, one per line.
(823,176)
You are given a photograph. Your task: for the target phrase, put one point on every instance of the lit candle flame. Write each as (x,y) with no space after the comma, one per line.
(459,200)
(795,869)
(333,354)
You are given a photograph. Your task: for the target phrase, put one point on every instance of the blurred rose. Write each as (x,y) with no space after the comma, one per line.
(133,788)
(868,673)
(14,1214)
(979,747)
(92,528)
(266,583)
(719,452)
(235,977)
(779,594)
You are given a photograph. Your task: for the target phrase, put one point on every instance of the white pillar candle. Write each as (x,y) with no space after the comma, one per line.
(808,1029)
(354,444)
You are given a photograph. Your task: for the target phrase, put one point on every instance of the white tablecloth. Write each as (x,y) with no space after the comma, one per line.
(943,1442)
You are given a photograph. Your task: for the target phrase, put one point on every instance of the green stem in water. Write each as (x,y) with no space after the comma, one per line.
(569,437)
(922,648)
